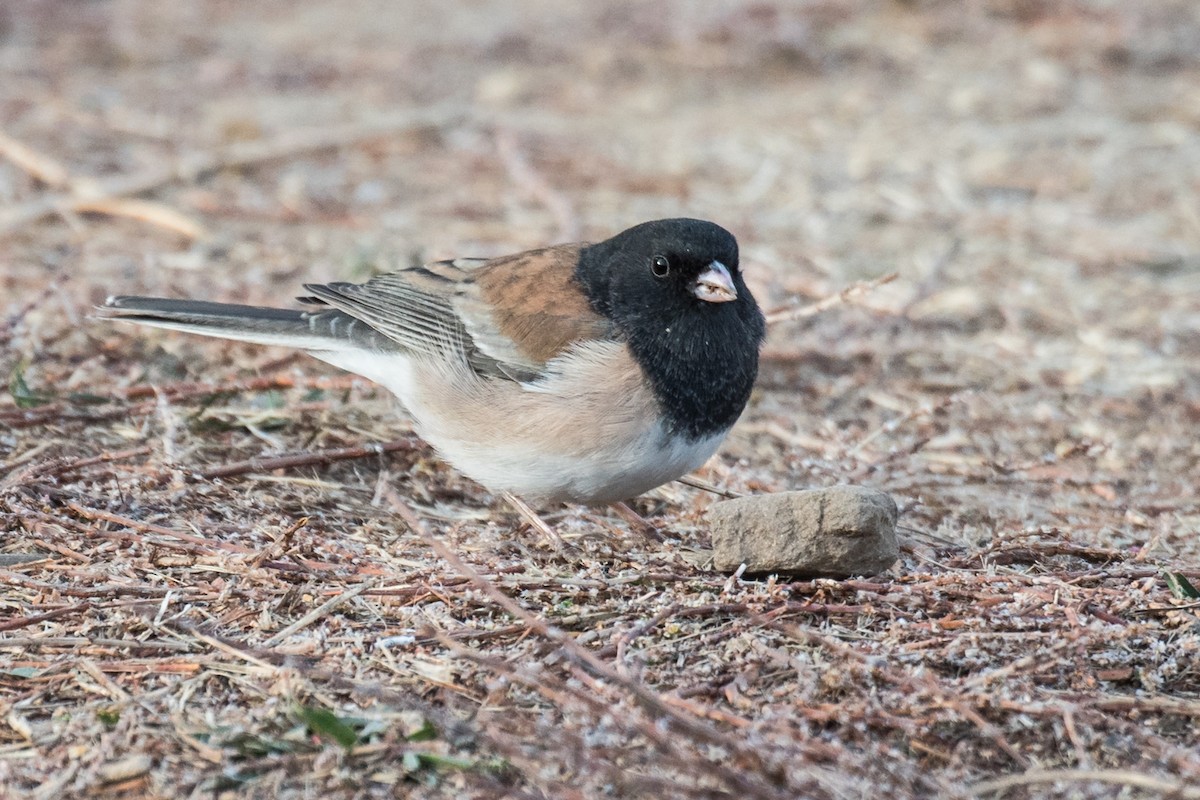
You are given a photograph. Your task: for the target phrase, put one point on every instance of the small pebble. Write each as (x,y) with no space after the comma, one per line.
(834,533)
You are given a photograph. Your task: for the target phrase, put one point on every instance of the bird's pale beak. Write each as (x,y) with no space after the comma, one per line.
(715,285)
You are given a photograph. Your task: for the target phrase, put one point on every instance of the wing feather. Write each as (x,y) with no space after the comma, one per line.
(507,317)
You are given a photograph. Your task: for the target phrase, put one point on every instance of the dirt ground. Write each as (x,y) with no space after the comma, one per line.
(208,588)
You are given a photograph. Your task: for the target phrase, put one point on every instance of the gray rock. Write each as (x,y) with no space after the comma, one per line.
(835,532)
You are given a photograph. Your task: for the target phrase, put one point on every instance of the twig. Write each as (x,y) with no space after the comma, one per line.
(76,642)
(97,515)
(311,458)
(102,458)
(320,611)
(278,547)
(844,296)
(705,486)
(633,633)
(183,390)
(39,165)
(1035,553)
(114,691)
(1118,777)
(33,619)
(59,468)
(54,174)
(1167,705)
(243,154)
(233,650)
(536,522)
(636,521)
(157,214)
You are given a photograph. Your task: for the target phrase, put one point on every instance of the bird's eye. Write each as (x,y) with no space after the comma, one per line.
(660,266)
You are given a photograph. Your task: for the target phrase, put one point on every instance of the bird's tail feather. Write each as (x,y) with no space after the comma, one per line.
(318,330)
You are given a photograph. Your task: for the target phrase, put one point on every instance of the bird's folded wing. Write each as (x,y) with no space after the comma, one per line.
(508,316)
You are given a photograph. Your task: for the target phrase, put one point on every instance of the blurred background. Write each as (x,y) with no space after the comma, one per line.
(1029,168)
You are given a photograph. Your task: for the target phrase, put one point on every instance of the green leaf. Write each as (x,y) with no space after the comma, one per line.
(109,716)
(436,761)
(1181,587)
(21,672)
(427,732)
(328,725)
(20,391)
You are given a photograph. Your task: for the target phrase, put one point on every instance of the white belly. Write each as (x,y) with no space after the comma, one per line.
(616,470)
(592,435)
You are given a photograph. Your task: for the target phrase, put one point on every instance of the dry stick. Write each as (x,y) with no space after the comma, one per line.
(536,522)
(633,633)
(635,521)
(844,296)
(75,642)
(648,698)
(696,483)
(320,611)
(1118,777)
(279,547)
(33,619)
(103,458)
(233,650)
(310,458)
(97,515)
(59,468)
(157,214)
(54,174)
(104,590)
(39,165)
(107,683)
(1166,705)
(239,155)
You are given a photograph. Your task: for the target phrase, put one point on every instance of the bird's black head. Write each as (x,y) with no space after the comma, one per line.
(674,290)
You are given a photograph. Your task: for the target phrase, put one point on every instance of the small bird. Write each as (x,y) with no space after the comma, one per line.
(585,373)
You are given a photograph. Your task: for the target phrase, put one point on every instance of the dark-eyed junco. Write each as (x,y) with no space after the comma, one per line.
(580,373)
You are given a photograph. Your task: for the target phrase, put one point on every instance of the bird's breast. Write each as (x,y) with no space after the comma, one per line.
(589,430)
